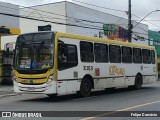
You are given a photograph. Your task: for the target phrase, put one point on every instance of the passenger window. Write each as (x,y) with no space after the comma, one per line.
(137,55)
(146,56)
(101,52)
(115,54)
(126,55)
(67,56)
(86,51)
(152,56)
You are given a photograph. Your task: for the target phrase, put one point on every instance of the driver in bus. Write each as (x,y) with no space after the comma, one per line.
(47,62)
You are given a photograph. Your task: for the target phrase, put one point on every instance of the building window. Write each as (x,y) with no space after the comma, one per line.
(101,52)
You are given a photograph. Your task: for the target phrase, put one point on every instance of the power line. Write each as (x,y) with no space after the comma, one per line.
(99,6)
(93,27)
(38,10)
(12,15)
(146,21)
(49,17)
(76,19)
(18,16)
(23,7)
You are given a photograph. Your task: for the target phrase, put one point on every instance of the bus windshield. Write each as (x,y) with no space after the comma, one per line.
(34,51)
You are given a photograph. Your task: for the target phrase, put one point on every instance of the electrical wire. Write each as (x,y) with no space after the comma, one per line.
(25,17)
(99,6)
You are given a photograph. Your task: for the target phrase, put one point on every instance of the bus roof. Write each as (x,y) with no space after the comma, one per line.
(101,40)
(95,39)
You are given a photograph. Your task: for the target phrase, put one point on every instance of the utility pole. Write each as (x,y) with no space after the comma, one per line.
(129,22)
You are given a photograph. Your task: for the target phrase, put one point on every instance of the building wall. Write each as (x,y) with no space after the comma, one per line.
(140,32)
(48,15)
(9,21)
(56,12)
(27,25)
(154,38)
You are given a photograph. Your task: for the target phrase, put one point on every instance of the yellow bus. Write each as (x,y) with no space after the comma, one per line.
(55,63)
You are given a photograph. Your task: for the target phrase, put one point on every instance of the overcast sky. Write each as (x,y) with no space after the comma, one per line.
(140,8)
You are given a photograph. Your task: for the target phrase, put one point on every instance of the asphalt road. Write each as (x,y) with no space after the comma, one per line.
(109,104)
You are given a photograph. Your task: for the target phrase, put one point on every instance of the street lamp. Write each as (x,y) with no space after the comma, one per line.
(145,17)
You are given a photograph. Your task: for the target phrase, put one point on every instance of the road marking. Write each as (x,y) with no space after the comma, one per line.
(120,110)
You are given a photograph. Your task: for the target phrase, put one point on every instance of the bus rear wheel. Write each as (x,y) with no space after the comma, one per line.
(85,88)
(138,82)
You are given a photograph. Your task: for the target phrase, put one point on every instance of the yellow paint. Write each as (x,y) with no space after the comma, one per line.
(120,110)
(25,78)
(56,57)
(156,62)
(15,31)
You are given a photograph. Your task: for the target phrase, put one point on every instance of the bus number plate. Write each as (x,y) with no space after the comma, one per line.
(31,88)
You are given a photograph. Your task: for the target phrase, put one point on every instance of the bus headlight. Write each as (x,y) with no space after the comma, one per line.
(50,78)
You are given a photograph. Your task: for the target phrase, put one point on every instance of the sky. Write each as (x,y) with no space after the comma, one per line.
(140,8)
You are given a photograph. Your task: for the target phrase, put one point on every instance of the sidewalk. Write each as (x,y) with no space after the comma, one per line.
(6,89)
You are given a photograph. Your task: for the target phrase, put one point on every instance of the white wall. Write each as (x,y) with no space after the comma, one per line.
(9,21)
(72,10)
(81,12)
(32,25)
(27,25)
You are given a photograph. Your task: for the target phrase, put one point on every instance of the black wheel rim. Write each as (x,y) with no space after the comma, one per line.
(86,87)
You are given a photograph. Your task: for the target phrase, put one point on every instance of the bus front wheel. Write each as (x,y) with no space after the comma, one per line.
(85,88)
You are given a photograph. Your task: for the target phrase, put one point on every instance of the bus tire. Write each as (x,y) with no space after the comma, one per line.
(85,88)
(138,82)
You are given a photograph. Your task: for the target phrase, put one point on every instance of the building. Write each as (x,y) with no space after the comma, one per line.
(8,26)
(72,18)
(154,40)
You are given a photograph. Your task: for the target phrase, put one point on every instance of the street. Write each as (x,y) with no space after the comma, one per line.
(146,99)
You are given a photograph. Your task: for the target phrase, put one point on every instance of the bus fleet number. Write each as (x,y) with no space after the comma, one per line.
(88,68)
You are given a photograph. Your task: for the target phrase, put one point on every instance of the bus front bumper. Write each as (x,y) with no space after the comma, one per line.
(43,88)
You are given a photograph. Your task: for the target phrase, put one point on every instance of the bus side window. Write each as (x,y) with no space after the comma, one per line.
(114,54)
(137,55)
(67,56)
(146,56)
(126,54)
(62,53)
(152,56)
(101,52)
(86,51)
